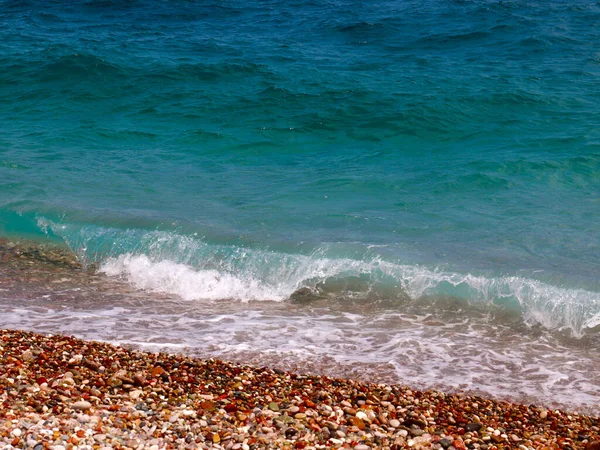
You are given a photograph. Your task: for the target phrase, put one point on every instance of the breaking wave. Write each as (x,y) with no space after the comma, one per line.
(193,269)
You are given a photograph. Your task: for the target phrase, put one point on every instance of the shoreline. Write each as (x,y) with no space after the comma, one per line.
(65,393)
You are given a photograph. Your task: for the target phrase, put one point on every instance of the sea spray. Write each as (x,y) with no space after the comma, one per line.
(194,269)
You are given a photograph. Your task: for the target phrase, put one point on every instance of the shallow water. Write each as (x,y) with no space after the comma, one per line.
(443,344)
(409,188)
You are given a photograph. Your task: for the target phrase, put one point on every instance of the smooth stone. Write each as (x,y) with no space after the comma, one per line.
(416,432)
(284,419)
(332,426)
(135,394)
(445,442)
(474,426)
(543,414)
(394,423)
(81,405)
(361,415)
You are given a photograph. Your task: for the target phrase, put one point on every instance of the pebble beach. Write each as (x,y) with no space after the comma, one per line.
(59,392)
(299,225)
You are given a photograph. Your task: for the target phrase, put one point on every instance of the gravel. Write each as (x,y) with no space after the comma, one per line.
(59,392)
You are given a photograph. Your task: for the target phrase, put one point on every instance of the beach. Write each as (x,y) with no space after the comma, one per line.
(60,392)
(454,348)
(302,224)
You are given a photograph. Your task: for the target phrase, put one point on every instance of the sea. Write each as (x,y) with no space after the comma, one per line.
(397,191)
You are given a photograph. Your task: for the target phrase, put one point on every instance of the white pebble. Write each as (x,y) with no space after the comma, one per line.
(17,432)
(361,415)
(76,359)
(394,423)
(83,405)
(135,394)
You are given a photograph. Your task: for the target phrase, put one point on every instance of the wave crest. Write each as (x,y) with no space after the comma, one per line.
(189,267)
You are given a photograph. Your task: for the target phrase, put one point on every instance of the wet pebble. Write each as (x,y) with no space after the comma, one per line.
(142,400)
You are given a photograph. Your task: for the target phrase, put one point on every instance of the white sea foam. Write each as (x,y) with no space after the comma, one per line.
(193,269)
(540,303)
(173,278)
(383,347)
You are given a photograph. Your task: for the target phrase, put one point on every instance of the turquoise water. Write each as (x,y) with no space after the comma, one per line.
(250,150)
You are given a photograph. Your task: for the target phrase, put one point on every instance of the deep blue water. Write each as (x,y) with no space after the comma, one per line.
(431,147)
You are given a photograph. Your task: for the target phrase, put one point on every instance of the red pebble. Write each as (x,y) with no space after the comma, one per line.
(459,445)
(230,407)
(157,371)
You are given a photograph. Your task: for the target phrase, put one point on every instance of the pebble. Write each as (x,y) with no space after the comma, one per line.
(135,394)
(167,401)
(445,442)
(361,415)
(81,405)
